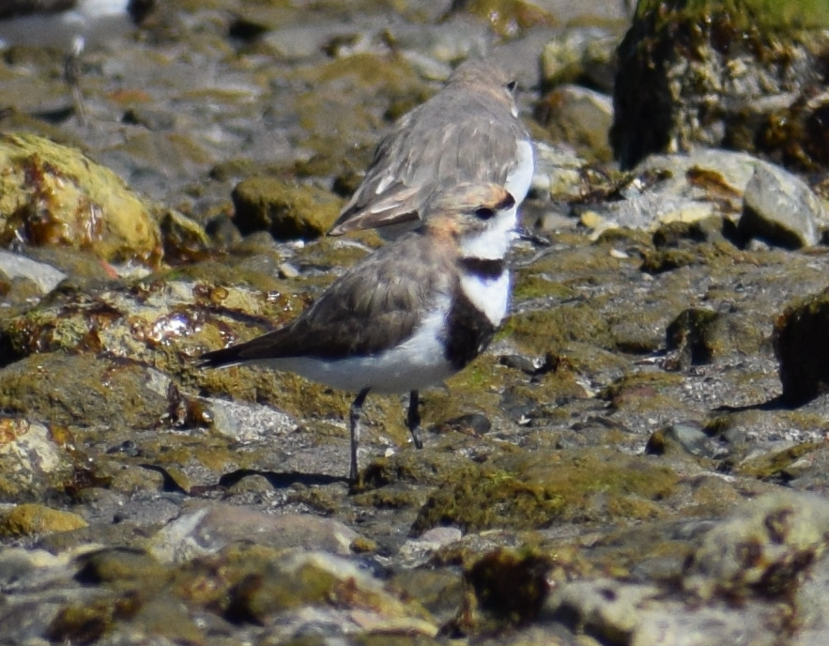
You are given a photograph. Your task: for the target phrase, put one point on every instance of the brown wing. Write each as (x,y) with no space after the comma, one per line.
(370,308)
(424,151)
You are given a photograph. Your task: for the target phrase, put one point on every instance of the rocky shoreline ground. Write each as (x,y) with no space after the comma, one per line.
(638,459)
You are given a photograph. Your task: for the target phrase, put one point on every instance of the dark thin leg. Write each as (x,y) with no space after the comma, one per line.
(355,414)
(71,73)
(413,418)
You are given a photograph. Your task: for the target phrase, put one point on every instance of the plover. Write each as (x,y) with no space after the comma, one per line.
(69,25)
(409,315)
(467,132)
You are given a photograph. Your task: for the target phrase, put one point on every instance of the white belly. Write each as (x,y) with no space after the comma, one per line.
(415,364)
(92,22)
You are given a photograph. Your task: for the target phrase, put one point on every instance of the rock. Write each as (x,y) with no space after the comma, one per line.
(417,551)
(182,238)
(154,320)
(509,588)
(579,117)
(781,209)
(31,459)
(246,422)
(580,55)
(802,349)
(287,211)
(56,196)
(675,624)
(507,17)
(680,188)
(31,520)
(559,172)
(699,336)
(525,491)
(682,438)
(717,74)
(764,547)
(82,389)
(44,276)
(812,623)
(605,609)
(299,590)
(211,529)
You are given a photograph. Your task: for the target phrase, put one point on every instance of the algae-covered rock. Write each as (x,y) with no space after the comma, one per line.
(534,490)
(287,211)
(316,579)
(504,587)
(764,546)
(508,17)
(53,195)
(697,72)
(802,348)
(85,390)
(699,336)
(30,519)
(31,459)
(160,319)
(579,117)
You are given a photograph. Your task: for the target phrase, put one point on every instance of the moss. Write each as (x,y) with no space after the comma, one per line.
(772,465)
(531,285)
(30,520)
(524,491)
(552,330)
(748,15)
(53,195)
(288,211)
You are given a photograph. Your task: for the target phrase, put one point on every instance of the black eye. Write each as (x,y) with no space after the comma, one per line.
(511,87)
(484,213)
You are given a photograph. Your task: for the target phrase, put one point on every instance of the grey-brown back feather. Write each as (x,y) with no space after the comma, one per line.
(372,307)
(423,158)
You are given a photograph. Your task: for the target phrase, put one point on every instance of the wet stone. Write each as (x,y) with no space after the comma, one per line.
(287,211)
(56,196)
(30,519)
(781,209)
(45,276)
(578,117)
(211,529)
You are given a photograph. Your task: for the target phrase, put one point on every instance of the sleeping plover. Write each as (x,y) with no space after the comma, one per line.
(409,315)
(69,25)
(467,132)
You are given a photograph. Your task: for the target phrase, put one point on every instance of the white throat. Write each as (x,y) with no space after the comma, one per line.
(493,242)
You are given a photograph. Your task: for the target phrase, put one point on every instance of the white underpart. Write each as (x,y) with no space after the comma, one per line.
(492,243)
(92,21)
(415,364)
(519,180)
(490,296)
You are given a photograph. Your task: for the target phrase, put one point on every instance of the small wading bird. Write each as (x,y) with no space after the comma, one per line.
(69,26)
(409,315)
(467,132)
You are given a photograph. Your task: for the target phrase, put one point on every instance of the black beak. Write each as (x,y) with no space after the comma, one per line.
(537,240)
